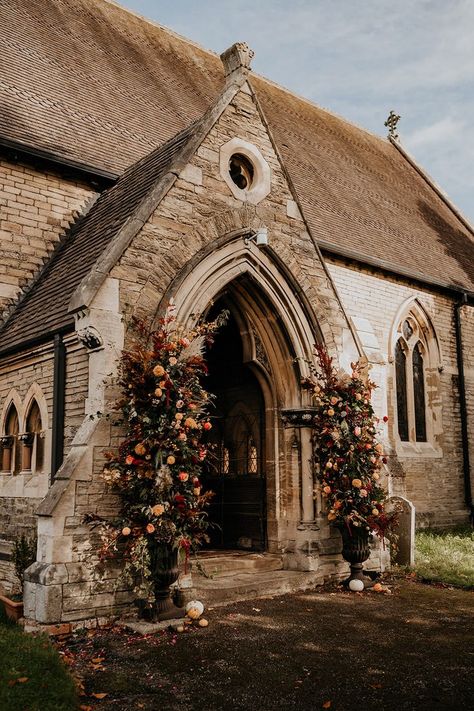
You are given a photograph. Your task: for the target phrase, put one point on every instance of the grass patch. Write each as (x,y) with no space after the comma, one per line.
(32,675)
(446,556)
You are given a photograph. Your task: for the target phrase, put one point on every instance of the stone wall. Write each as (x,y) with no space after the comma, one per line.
(35,210)
(430,477)
(31,375)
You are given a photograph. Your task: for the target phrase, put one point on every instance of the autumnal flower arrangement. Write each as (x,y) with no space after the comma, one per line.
(157,467)
(347,456)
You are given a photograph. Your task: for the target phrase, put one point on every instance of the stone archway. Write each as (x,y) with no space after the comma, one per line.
(277,331)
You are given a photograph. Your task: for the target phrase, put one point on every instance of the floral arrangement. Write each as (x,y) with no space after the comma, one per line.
(156,471)
(347,456)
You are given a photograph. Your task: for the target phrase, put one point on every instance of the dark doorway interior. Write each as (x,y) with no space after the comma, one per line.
(235,472)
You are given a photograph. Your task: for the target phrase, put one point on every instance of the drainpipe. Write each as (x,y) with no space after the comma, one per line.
(463,406)
(59,383)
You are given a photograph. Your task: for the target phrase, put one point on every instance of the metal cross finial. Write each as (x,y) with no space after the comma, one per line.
(391,124)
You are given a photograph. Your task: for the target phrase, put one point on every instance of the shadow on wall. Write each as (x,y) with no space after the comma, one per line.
(455,241)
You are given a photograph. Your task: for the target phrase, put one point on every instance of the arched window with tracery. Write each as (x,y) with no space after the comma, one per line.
(416,354)
(9,442)
(32,440)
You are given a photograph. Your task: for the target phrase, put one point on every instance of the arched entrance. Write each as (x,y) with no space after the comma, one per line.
(236,471)
(265,352)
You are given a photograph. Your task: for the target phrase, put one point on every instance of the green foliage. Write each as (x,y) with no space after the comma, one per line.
(23,555)
(347,456)
(32,675)
(446,556)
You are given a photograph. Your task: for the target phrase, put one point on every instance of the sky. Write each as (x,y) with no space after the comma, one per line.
(359,59)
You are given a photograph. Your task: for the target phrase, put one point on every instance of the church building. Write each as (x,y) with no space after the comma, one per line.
(137,167)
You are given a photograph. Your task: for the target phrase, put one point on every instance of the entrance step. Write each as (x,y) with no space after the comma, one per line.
(247,585)
(218,564)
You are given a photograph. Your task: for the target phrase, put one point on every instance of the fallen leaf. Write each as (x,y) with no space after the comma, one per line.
(85,708)
(102,695)
(327,704)
(22,679)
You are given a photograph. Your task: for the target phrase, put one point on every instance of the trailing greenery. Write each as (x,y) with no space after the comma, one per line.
(446,556)
(23,555)
(32,675)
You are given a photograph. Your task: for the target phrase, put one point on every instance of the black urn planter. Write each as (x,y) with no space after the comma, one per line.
(164,572)
(356,550)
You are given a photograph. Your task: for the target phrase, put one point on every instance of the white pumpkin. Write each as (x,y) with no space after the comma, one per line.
(194,609)
(356,585)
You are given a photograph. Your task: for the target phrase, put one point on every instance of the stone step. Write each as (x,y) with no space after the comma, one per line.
(220,565)
(249,585)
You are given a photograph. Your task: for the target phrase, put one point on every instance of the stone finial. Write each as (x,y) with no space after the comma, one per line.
(237,57)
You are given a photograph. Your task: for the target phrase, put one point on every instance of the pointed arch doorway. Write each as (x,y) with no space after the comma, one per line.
(236,471)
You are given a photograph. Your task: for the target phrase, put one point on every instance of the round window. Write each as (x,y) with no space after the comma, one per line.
(241,171)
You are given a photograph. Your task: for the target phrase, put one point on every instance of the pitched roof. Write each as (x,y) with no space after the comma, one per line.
(92,83)
(97,240)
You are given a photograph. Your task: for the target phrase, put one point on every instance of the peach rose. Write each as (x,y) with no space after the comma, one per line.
(196,491)
(363,492)
(375,512)
(183,476)
(331,516)
(179,416)
(157,510)
(327,489)
(191,423)
(150,528)
(357,431)
(173,360)
(331,412)
(334,400)
(158,371)
(140,449)
(170,459)
(356,483)
(158,392)
(129,459)
(126,531)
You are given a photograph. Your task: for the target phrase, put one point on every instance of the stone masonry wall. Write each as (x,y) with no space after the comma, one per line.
(434,483)
(21,494)
(35,210)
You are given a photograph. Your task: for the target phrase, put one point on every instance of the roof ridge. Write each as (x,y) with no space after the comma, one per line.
(193,43)
(171,32)
(314,105)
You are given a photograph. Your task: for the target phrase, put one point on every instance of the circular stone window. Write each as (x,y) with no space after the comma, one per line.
(241,171)
(245,170)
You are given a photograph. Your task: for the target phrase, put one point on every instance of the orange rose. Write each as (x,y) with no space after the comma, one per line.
(356,483)
(196,491)
(140,449)
(183,476)
(337,505)
(170,459)
(331,412)
(207,426)
(126,531)
(129,459)
(327,489)
(158,371)
(179,416)
(158,392)
(191,423)
(157,510)
(331,516)
(150,528)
